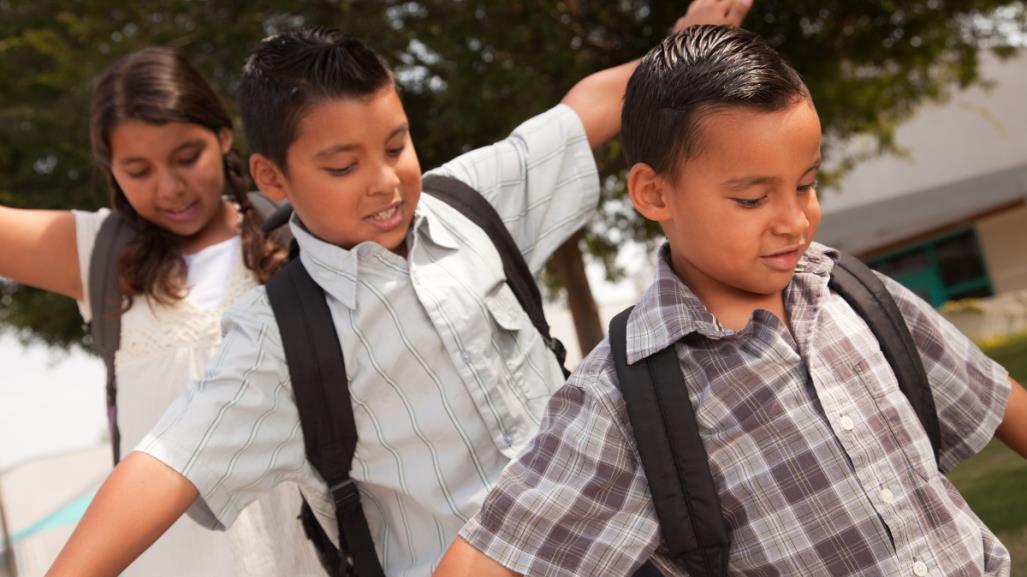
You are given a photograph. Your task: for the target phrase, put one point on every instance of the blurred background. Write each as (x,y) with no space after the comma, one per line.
(923,103)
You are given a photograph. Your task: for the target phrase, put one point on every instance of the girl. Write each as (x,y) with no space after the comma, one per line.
(165,142)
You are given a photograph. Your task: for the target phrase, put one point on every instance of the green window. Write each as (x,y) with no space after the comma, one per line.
(944,268)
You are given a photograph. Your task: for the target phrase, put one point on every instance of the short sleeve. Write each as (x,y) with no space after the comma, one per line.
(576,502)
(542,180)
(970,390)
(235,433)
(87,226)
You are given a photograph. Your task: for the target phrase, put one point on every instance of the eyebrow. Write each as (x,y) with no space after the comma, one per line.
(338,148)
(184,145)
(748,181)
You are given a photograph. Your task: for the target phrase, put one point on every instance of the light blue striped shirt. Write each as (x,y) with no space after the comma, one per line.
(448,377)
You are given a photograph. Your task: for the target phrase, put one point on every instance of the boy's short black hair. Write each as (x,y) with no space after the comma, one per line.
(288,73)
(697,70)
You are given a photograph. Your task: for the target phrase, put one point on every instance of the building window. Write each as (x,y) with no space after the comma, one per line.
(944,268)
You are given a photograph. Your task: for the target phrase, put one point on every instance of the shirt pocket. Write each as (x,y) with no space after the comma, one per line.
(898,427)
(526,359)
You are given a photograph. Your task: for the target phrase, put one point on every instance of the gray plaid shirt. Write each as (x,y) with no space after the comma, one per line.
(820,462)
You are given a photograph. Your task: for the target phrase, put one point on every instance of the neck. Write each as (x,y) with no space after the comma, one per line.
(731,306)
(223,226)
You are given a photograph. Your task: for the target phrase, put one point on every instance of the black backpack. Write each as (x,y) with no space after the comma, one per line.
(318,373)
(105,300)
(670,449)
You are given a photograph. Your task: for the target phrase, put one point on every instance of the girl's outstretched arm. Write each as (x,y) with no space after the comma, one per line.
(135,505)
(38,248)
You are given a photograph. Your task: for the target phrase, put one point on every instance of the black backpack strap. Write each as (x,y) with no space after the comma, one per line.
(105,302)
(318,373)
(868,296)
(672,454)
(473,205)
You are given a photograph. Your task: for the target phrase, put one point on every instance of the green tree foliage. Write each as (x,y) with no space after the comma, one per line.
(471,70)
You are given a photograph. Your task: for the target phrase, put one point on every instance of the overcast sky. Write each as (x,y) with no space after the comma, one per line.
(49,401)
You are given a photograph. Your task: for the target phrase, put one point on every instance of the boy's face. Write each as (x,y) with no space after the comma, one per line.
(353,174)
(742,210)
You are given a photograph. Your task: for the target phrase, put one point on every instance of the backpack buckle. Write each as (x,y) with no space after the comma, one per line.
(346,496)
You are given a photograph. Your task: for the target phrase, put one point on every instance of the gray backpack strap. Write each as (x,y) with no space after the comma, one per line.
(105,301)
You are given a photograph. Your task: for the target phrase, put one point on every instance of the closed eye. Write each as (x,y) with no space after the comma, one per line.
(750,202)
(340,171)
(189,160)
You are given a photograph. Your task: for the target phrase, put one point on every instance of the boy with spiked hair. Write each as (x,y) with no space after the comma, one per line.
(818,461)
(446,375)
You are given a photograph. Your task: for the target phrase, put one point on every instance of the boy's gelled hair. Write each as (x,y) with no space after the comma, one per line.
(157,86)
(690,74)
(289,73)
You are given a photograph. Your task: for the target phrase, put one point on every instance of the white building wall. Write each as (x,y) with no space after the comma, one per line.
(976,132)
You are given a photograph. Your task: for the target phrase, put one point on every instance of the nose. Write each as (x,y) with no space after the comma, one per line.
(791,219)
(385,180)
(170,183)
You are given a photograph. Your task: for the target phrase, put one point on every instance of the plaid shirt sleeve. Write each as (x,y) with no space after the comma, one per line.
(576,502)
(970,390)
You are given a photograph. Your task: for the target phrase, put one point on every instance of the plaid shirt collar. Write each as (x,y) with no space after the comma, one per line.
(669,310)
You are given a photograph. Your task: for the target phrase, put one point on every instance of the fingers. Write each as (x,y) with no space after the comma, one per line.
(737,11)
(723,12)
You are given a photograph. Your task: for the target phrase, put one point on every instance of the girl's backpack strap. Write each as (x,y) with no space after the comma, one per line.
(868,296)
(105,302)
(672,454)
(318,373)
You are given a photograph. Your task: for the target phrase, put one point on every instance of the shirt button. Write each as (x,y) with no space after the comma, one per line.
(888,497)
(919,569)
(508,438)
(846,423)
(466,356)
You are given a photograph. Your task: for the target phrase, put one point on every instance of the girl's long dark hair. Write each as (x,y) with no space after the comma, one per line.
(157,86)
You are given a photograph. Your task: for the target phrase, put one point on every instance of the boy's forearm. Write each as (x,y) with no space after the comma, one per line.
(135,505)
(598,98)
(1013,429)
(463,560)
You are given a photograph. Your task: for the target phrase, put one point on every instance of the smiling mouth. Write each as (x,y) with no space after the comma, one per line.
(185,211)
(385,215)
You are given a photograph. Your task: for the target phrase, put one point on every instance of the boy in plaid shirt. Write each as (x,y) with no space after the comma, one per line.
(819,461)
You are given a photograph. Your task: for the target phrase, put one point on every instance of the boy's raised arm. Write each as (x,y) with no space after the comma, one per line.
(1013,429)
(598,97)
(135,505)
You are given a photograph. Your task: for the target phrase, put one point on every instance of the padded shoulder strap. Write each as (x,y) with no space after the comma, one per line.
(274,216)
(105,301)
(318,373)
(868,296)
(473,205)
(672,454)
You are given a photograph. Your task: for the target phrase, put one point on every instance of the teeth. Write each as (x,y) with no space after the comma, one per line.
(385,214)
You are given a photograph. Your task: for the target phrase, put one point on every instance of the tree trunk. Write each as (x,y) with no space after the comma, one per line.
(569,267)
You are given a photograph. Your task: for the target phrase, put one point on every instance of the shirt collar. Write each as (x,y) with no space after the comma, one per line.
(430,223)
(336,269)
(669,310)
(331,266)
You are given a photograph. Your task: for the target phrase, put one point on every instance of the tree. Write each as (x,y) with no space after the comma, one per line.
(471,70)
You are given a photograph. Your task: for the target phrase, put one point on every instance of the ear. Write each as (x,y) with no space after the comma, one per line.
(268,177)
(226,140)
(648,191)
